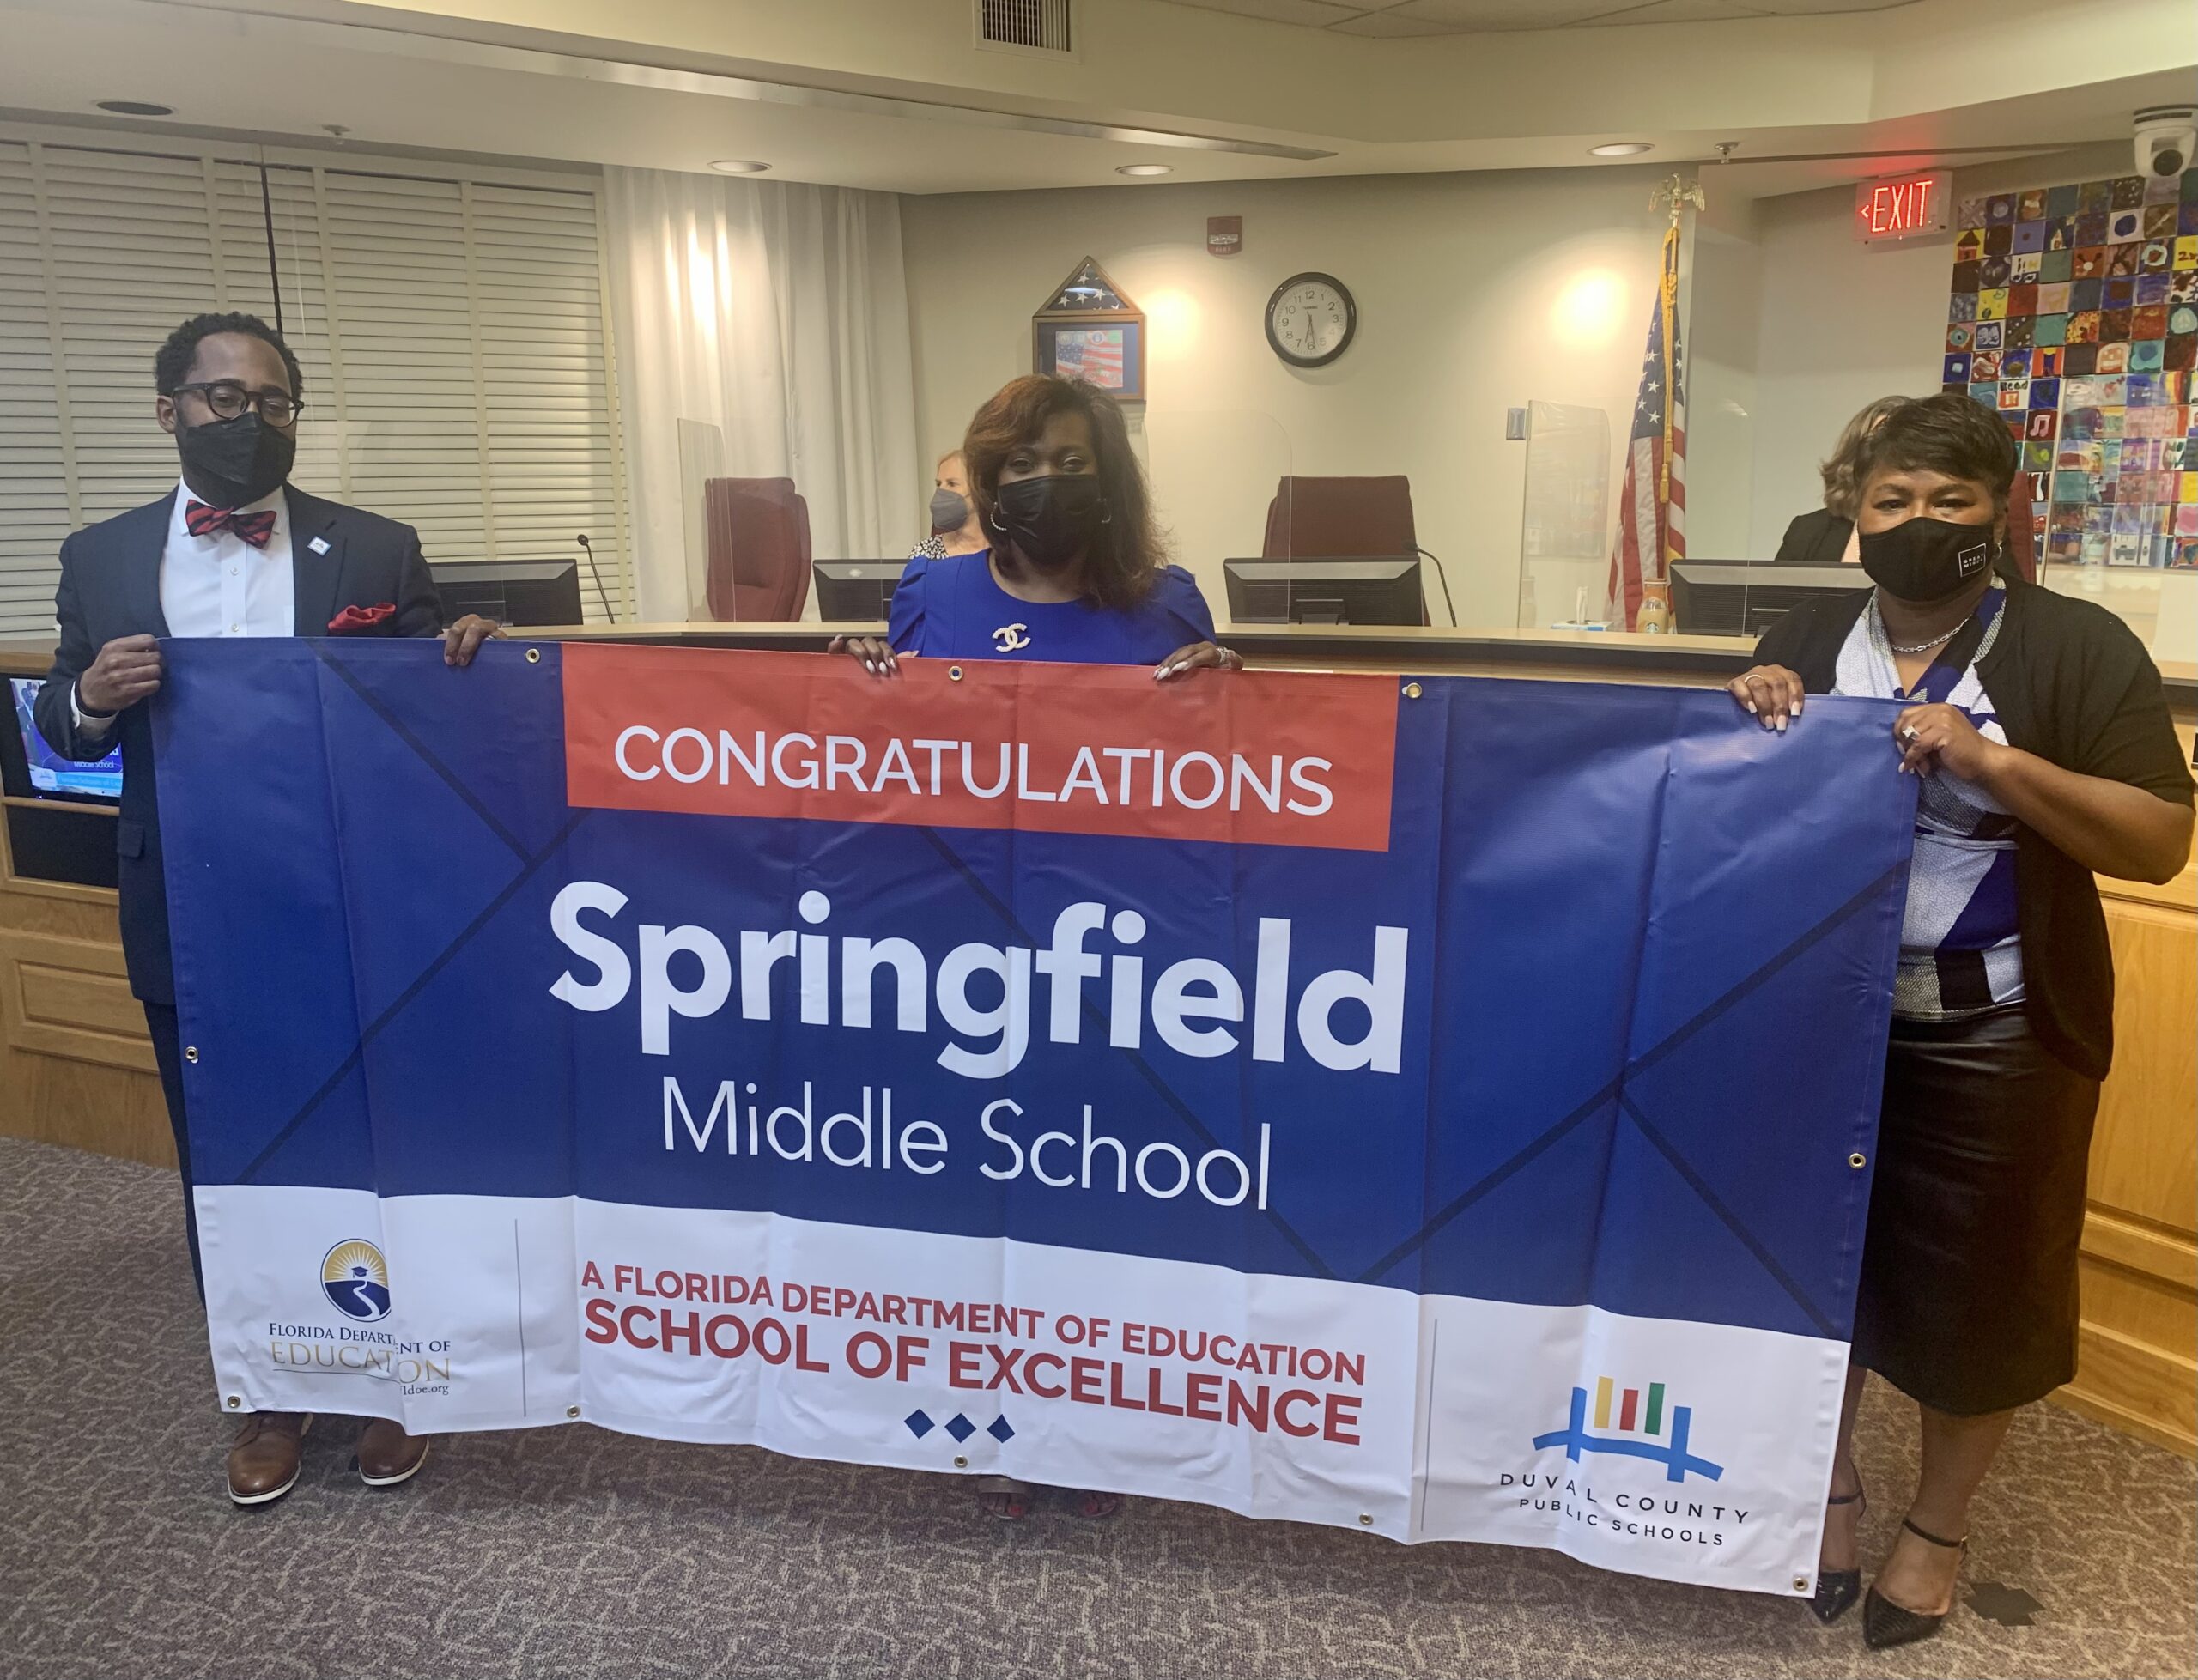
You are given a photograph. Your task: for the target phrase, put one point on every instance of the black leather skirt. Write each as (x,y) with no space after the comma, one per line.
(1968,1297)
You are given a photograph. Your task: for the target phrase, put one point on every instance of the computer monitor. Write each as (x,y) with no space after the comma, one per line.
(40,773)
(1354,589)
(856,590)
(1738,597)
(511,592)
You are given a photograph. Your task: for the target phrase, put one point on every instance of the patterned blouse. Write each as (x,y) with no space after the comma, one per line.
(1960,954)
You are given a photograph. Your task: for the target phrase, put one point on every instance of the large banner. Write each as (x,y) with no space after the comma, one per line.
(1441,1108)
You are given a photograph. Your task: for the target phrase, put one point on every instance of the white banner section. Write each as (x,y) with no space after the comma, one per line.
(1657,1447)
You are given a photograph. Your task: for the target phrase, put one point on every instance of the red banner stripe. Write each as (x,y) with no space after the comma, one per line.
(1257,757)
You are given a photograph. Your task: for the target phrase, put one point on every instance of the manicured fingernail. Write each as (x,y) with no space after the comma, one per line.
(1751,707)
(871,666)
(1782,725)
(1797,708)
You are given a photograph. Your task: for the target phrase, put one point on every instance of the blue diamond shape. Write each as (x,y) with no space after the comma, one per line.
(919,1424)
(1000,1429)
(960,1427)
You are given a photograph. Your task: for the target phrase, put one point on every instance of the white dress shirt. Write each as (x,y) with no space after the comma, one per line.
(220,585)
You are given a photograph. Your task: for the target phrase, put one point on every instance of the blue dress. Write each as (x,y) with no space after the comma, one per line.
(955,609)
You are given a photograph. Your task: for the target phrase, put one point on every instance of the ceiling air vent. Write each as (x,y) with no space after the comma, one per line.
(1043,28)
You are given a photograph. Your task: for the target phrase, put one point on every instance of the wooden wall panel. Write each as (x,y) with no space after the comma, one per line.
(76,1064)
(2137,1364)
(71,998)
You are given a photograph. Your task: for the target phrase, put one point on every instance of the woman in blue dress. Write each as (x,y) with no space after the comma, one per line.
(1076,572)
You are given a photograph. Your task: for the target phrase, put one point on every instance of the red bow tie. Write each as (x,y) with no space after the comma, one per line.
(253,528)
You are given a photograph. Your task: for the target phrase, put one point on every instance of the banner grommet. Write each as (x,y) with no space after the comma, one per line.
(1858,1161)
(235,1401)
(191,1053)
(954,673)
(1411,691)
(572,1411)
(534,656)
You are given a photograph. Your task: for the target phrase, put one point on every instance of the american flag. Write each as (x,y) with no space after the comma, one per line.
(1652,508)
(1094,353)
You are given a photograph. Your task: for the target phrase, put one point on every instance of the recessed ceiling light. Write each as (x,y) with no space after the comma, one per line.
(135,108)
(1146,169)
(734,166)
(1621,149)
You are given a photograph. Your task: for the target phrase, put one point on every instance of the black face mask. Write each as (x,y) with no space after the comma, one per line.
(1924,559)
(233,463)
(950,511)
(1052,520)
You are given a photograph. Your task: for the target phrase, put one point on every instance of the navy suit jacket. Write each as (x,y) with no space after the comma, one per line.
(111,587)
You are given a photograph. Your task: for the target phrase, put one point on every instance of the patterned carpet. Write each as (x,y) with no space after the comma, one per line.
(573,1552)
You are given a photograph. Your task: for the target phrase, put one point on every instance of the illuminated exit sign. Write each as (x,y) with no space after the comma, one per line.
(1904,206)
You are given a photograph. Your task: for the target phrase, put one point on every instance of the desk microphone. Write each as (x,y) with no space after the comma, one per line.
(588,548)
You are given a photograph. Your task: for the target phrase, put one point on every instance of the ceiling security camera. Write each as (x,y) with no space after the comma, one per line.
(2167,138)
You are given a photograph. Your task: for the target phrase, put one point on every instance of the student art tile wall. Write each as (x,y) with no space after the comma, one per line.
(1476,293)
(1817,324)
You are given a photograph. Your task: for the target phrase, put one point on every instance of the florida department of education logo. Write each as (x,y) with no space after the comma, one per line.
(356,1279)
(1641,1430)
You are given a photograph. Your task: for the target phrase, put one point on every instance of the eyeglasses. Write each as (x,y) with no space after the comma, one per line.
(228,399)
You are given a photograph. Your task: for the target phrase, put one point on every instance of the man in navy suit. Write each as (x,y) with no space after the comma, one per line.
(233,551)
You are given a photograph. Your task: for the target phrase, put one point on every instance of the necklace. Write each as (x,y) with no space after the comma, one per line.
(1919,648)
(1926,646)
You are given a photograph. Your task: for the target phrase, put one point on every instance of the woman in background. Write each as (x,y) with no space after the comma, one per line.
(954,527)
(2039,726)
(1826,536)
(1076,571)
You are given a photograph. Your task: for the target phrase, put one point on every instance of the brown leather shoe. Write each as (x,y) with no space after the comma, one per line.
(387,1455)
(264,1458)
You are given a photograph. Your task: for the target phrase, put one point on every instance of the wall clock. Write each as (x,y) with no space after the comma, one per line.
(1311,319)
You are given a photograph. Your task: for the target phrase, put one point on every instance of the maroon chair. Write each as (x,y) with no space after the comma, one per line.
(1341,518)
(1338,518)
(2022,529)
(758,549)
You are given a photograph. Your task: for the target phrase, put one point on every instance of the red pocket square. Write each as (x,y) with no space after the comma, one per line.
(354,619)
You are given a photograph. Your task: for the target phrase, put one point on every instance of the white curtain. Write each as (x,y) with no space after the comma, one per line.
(778,313)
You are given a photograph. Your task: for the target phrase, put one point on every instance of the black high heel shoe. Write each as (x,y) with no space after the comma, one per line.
(1886,1624)
(1838,1589)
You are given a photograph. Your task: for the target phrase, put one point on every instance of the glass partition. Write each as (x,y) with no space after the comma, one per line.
(1564,527)
(701,457)
(1218,478)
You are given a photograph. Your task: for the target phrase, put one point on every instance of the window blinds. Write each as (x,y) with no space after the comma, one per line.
(457,371)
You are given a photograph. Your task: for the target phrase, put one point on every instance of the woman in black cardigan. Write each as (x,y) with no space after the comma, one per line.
(2038,726)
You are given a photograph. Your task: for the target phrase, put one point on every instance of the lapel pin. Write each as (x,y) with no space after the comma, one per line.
(318,545)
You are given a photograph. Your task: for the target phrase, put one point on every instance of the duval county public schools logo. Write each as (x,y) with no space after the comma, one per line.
(1640,1431)
(356,1279)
